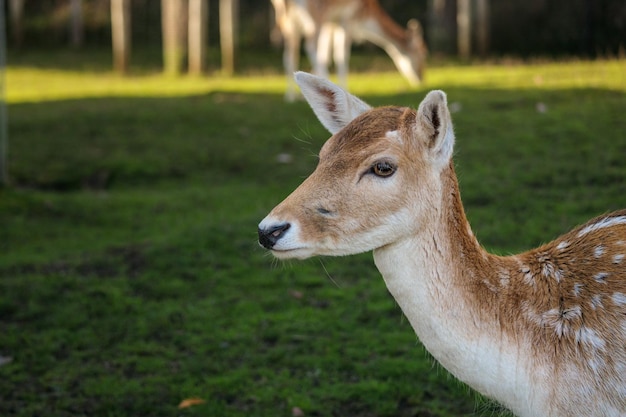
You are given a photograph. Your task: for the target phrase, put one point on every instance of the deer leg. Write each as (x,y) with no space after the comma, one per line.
(341,54)
(291,58)
(322,58)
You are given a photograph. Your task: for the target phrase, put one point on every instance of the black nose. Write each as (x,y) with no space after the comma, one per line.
(268,237)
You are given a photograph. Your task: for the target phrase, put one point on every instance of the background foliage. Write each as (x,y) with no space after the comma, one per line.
(518,27)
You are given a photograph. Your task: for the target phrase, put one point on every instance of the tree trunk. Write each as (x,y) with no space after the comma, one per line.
(198,27)
(229,19)
(76,23)
(16,9)
(482,27)
(442,26)
(464,23)
(173,18)
(120,32)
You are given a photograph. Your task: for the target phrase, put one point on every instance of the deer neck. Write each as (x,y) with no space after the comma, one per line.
(432,276)
(379,28)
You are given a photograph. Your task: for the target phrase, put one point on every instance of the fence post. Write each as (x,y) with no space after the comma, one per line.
(198,27)
(229,20)
(121,34)
(464,28)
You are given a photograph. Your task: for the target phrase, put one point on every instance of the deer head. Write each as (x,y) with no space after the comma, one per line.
(408,52)
(378,179)
(418,51)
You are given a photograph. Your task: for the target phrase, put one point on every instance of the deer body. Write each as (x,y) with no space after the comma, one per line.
(542,332)
(328,27)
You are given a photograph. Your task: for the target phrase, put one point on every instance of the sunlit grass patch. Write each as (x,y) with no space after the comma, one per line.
(609,74)
(36,85)
(29,84)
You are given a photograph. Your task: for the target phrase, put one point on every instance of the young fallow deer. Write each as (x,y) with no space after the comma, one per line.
(330,25)
(542,332)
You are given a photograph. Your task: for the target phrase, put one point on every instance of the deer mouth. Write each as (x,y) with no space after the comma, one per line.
(292,253)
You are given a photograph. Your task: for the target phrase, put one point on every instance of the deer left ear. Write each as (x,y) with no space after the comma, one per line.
(434,126)
(414,28)
(332,105)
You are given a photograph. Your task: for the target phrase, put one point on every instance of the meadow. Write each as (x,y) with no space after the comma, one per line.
(130,275)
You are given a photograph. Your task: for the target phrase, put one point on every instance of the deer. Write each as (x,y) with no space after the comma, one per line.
(541,332)
(330,25)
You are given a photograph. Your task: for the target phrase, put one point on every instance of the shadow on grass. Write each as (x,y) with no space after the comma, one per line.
(144,60)
(97,143)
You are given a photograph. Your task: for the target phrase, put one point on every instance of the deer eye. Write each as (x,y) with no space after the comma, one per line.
(383,169)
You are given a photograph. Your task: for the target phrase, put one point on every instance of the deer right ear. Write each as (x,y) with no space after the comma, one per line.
(434,126)
(333,106)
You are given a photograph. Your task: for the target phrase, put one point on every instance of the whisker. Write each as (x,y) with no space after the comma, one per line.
(306,133)
(328,274)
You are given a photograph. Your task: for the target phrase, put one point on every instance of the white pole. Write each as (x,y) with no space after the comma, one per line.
(228,30)
(120,34)
(464,28)
(4,139)
(198,22)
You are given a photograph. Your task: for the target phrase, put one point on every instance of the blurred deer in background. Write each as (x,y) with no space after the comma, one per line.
(330,25)
(543,332)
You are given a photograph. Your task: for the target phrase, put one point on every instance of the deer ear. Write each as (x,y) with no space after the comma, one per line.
(434,126)
(333,106)
(414,28)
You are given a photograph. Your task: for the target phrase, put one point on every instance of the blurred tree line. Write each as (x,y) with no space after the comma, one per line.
(516,27)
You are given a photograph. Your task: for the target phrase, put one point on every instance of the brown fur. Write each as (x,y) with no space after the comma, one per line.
(549,296)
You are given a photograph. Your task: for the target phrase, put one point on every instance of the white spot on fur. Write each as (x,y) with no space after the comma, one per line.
(598,251)
(562,245)
(618,258)
(505,278)
(560,320)
(490,286)
(577,288)
(619,299)
(596,301)
(601,224)
(590,338)
(548,269)
(393,135)
(558,274)
(601,277)
(596,363)
(530,313)
(529,278)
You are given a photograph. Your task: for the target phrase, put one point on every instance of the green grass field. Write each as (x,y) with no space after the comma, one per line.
(130,276)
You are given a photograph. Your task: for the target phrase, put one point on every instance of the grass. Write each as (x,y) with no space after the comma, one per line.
(130,277)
